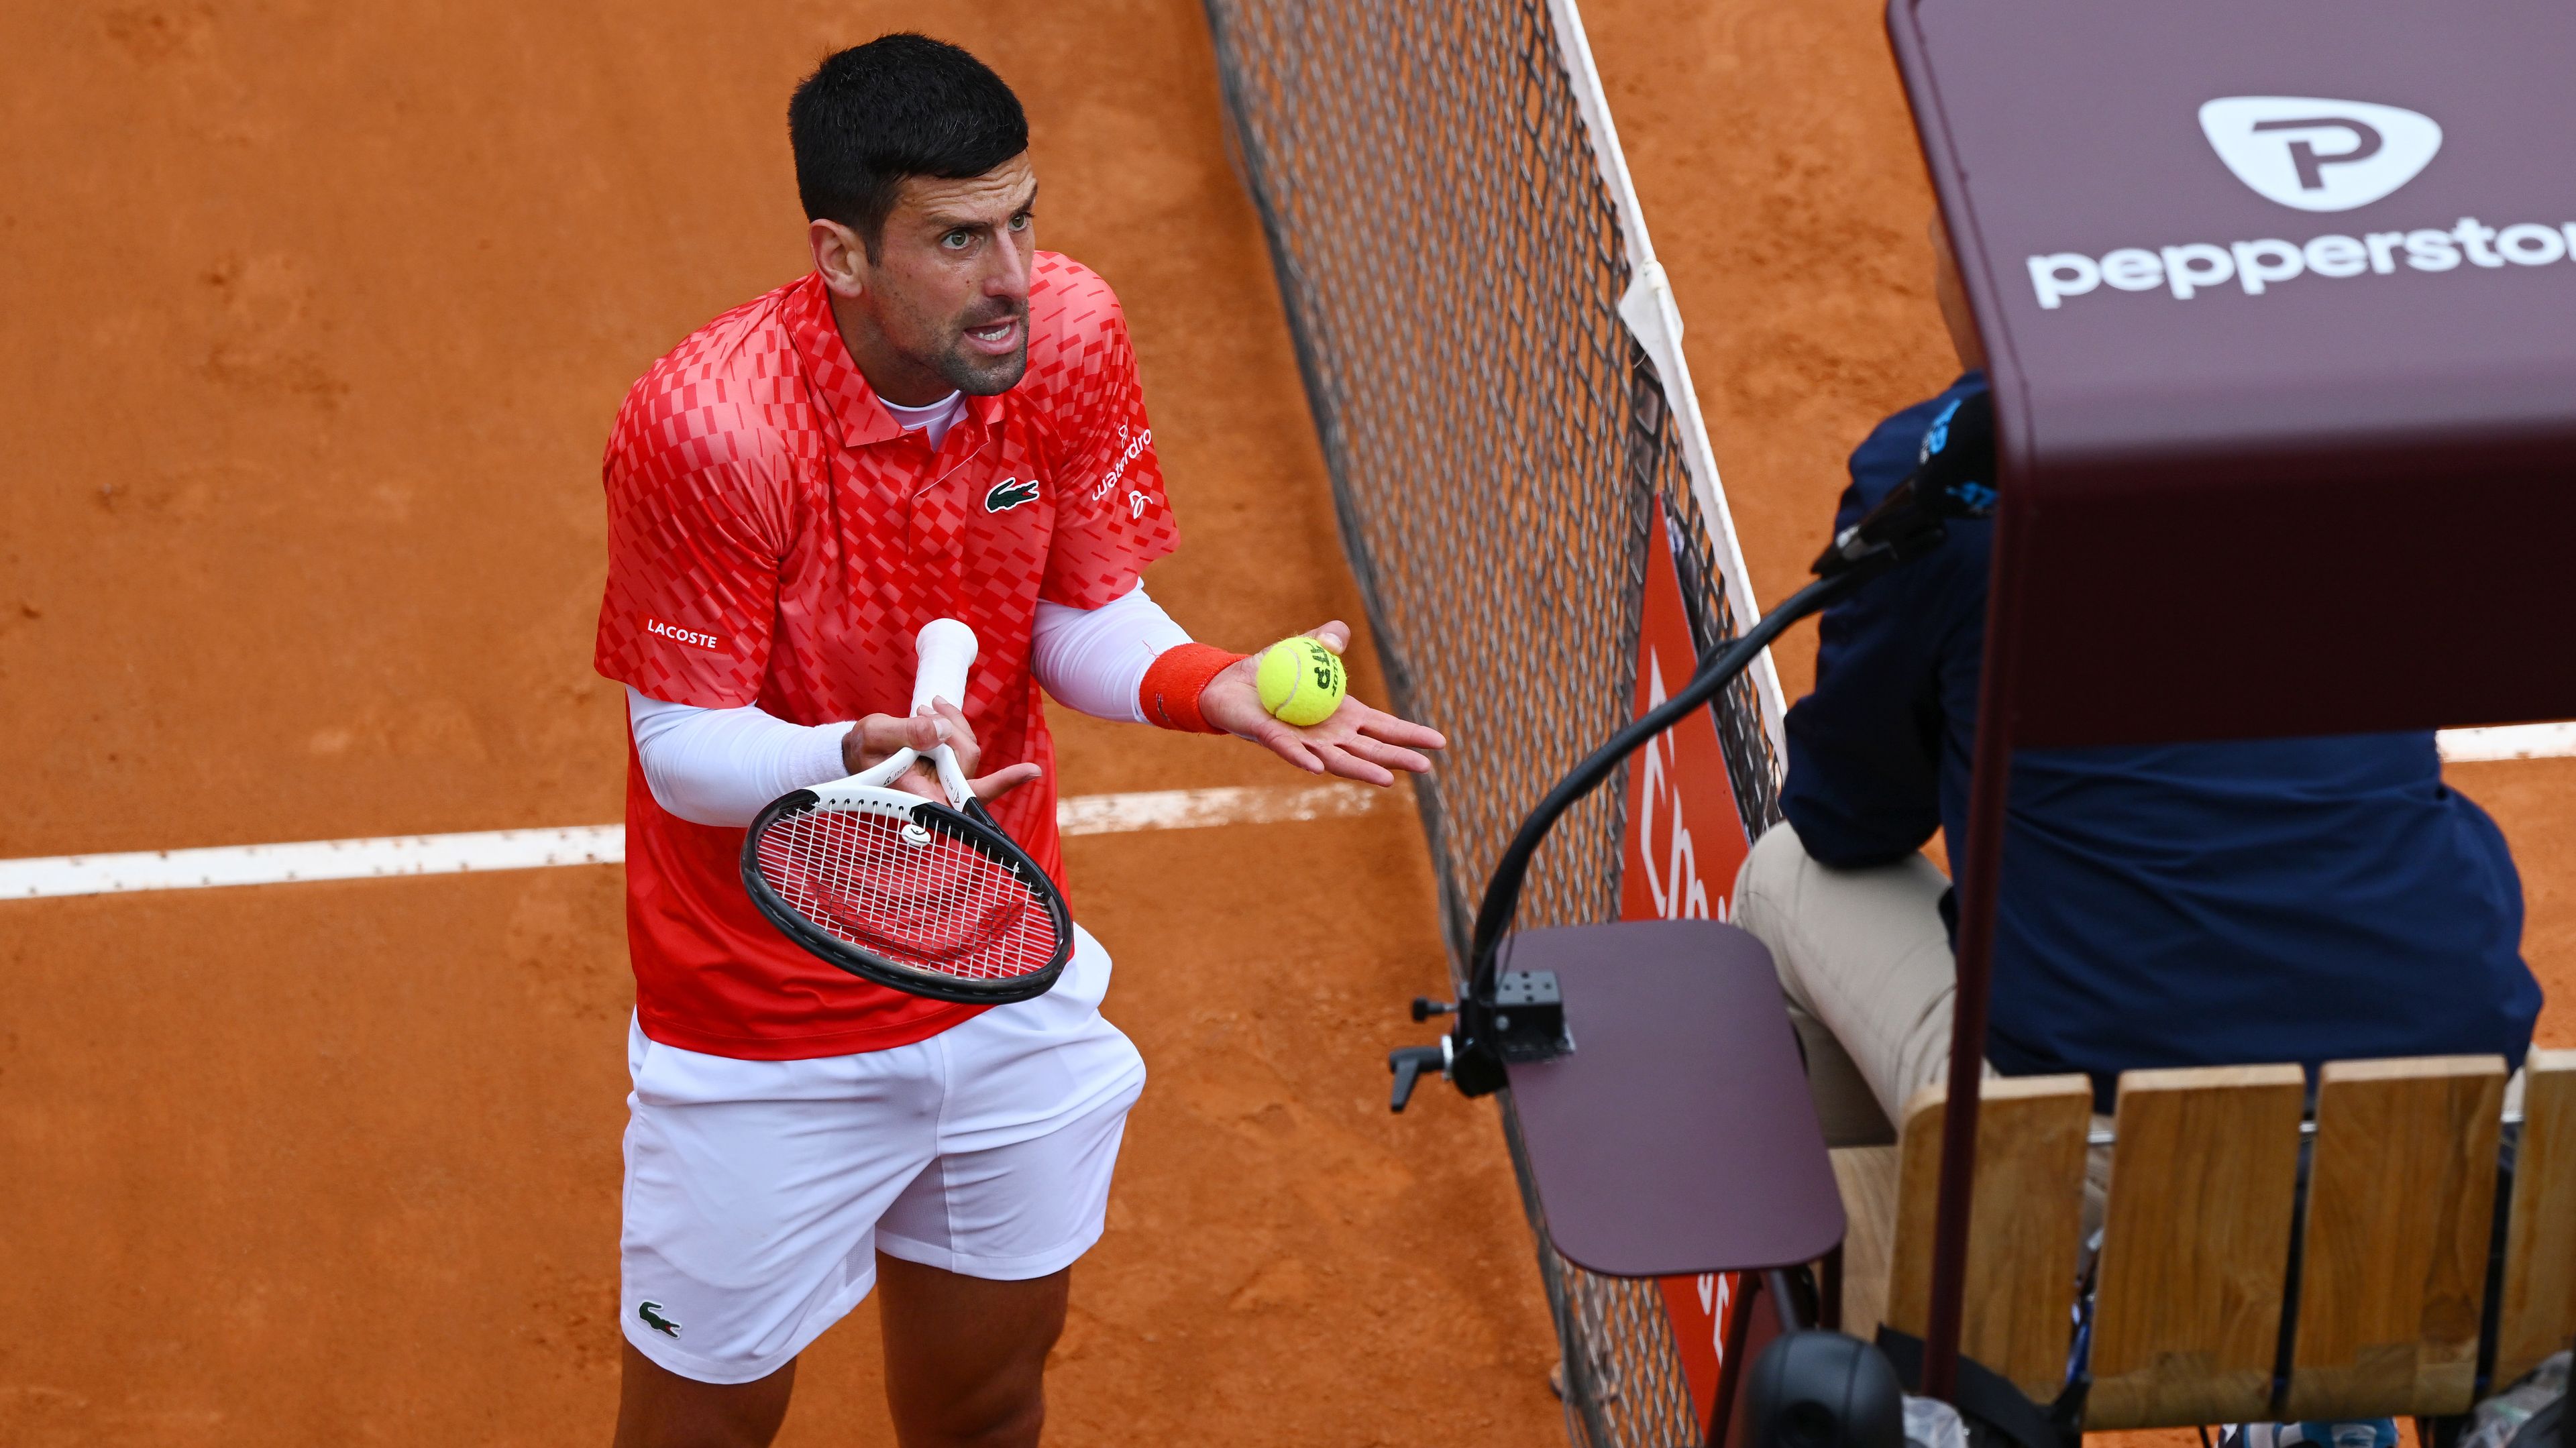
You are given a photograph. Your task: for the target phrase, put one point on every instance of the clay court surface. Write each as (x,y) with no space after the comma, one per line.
(315,324)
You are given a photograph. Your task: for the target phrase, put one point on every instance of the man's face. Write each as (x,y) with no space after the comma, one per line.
(948,290)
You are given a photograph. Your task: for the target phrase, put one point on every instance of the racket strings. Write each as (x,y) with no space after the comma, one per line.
(935,904)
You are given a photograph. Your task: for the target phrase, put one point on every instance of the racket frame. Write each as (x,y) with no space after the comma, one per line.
(963,819)
(946,649)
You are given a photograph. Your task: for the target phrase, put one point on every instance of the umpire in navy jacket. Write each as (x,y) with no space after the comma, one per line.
(2298,900)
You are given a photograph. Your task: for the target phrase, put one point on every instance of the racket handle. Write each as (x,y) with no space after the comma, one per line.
(947,648)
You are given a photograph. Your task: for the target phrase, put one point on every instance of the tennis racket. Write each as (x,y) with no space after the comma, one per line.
(928,898)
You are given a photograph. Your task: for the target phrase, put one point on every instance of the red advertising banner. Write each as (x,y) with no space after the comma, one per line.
(1685,836)
(1686,839)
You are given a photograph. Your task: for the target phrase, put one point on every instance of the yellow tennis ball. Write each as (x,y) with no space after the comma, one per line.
(1301,681)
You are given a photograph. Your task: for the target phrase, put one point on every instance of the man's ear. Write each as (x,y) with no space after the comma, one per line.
(839,256)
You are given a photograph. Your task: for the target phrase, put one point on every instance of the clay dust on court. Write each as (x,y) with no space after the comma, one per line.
(316,321)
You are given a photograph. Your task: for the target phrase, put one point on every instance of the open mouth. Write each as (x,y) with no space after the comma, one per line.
(995,339)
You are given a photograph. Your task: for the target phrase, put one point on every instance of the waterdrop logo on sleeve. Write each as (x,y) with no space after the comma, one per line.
(2317,154)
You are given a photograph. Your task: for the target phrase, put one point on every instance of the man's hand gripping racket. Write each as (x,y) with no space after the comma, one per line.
(926,896)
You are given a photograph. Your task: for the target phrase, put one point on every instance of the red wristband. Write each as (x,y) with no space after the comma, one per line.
(1173,682)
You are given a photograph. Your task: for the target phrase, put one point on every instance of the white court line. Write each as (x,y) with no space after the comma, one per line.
(485,850)
(311,860)
(1190,809)
(2509,741)
(1090,814)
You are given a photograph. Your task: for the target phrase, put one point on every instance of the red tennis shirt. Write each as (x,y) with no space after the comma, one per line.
(775,538)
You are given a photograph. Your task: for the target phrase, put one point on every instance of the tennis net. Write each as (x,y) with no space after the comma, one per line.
(1493,363)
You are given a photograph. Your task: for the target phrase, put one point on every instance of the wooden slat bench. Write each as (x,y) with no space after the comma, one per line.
(2538,1314)
(2207,1237)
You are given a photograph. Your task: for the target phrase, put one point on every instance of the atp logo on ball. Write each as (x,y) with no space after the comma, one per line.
(1301,681)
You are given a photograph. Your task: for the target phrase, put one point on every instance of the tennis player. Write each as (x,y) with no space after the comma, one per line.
(937,421)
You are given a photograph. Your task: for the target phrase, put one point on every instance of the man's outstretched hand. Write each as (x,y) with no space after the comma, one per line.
(1357,742)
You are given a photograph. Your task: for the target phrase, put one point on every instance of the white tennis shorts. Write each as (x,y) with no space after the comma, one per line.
(758,1193)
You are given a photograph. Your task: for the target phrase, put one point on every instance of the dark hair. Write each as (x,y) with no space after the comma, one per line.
(900,105)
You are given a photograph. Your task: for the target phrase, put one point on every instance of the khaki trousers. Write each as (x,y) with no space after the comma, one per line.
(1865,963)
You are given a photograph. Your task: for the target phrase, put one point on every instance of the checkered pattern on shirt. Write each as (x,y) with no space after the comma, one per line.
(774,537)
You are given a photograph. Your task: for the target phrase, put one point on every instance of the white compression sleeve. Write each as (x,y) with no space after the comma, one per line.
(720,766)
(1094,659)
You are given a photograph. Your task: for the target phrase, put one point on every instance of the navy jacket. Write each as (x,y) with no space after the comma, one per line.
(2192,904)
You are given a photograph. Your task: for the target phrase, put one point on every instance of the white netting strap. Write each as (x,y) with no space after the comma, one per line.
(1655,318)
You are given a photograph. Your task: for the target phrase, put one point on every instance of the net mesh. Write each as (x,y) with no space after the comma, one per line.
(917,895)
(1451,260)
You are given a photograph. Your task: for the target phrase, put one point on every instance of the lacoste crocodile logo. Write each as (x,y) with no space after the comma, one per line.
(1009,493)
(651,1313)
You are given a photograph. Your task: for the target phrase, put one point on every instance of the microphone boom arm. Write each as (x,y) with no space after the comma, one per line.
(1505,1017)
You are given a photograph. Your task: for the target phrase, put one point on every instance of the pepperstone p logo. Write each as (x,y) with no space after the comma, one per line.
(651,1313)
(2317,154)
(1009,493)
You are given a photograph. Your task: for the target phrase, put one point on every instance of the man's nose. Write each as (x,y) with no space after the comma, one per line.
(1009,274)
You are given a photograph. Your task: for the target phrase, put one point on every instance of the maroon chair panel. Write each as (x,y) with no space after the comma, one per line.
(2280,301)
